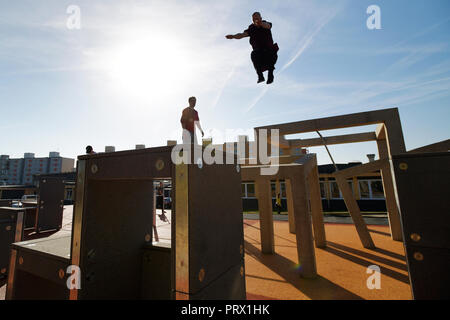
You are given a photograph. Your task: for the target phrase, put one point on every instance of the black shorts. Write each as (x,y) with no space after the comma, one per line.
(264,59)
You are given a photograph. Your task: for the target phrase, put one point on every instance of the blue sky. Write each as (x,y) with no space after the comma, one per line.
(124,76)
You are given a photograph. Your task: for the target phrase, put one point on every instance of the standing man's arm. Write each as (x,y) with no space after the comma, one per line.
(183,120)
(197,123)
(237,35)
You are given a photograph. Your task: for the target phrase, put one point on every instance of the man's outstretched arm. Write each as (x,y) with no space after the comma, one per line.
(237,35)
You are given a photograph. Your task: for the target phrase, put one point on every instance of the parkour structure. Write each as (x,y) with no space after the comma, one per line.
(113,218)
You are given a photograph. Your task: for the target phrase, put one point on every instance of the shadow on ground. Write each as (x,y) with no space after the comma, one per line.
(316,289)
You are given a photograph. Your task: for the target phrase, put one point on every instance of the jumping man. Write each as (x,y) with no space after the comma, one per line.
(264,54)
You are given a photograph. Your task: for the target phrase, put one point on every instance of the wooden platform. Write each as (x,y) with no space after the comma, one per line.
(341,266)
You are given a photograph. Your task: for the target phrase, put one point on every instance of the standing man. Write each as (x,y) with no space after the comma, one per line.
(278,203)
(190,119)
(160,201)
(264,54)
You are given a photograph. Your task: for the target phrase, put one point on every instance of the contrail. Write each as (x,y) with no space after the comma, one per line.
(304,44)
(408,58)
(219,95)
(423,32)
(256,100)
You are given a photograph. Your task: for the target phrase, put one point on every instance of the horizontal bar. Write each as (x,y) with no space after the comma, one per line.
(348,138)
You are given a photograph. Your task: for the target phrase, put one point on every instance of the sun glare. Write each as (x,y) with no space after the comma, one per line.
(148,68)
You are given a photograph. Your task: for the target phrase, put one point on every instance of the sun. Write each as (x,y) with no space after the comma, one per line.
(148,67)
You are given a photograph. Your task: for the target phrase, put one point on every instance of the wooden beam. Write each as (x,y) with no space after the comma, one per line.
(355,213)
(361,169)
(337,122)
(389,194)
(316,209)
(380,132)
(290,205)
(284,144)
(264,195)
(303,228)
(394,134)
(308,161)
(348,138)
(284,159)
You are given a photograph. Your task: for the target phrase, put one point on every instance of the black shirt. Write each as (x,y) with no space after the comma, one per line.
(260,37)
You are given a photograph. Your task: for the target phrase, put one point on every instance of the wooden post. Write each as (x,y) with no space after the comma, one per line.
(394,134)
(304,234)
(290,205)
(389,194)
(155,230)
(316,209)
(355,213)
(264,195)
(356,188)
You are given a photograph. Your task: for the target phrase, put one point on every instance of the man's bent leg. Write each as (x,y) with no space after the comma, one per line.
(272,58)
(256,59)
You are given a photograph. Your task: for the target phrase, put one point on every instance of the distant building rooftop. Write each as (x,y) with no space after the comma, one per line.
(329,168)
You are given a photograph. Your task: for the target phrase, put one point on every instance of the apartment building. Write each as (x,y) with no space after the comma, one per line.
(20,171)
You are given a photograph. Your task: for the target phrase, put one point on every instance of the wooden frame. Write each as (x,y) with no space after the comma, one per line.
(390,141)
(302,181)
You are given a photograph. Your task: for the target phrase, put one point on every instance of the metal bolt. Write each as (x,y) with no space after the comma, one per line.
(403,166)
(61,273)
(242,271)
(94,169)
(91,254)
(8,228)
(148,237)
(20,260)
(418,256)
(159,164)
(415,237)
(201,275)
(3,271)
(238,168)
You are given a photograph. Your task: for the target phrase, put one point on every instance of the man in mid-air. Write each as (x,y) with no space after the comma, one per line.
(264,54)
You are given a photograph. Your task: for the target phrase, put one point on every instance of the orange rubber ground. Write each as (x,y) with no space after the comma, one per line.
(341,267)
